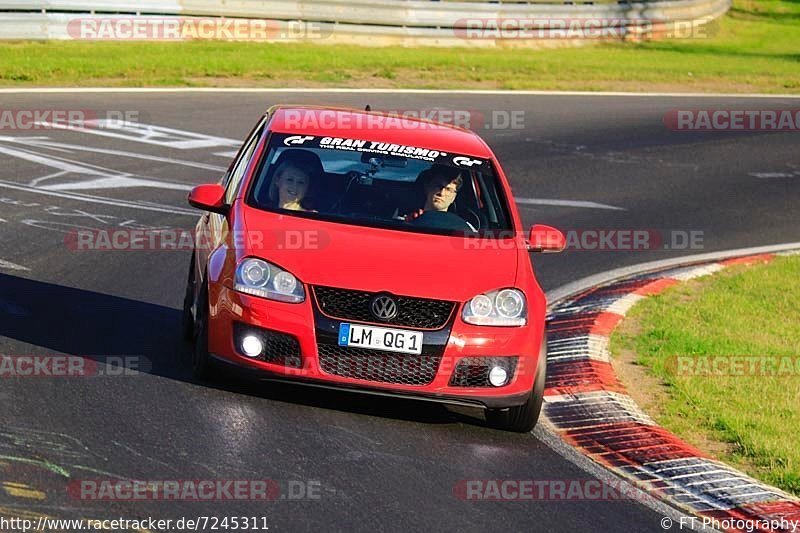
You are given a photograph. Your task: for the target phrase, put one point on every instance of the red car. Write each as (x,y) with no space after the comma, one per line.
(372,252)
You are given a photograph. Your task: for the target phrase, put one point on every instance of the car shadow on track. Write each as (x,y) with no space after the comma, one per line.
(110,329)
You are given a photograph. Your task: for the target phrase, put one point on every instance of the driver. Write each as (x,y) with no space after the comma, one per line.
(441,184)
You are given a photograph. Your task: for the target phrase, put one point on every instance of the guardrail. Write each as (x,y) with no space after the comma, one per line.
(377,22)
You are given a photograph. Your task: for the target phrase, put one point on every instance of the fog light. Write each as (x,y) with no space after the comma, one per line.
(498,376)
(252,346)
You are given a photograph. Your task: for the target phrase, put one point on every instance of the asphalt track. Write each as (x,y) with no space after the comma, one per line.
(384,465)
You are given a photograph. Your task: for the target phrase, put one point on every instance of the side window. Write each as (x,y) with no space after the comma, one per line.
(237,173)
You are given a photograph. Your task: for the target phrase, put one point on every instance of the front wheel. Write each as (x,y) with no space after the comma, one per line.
(523,418)
(187,319)
(201,360)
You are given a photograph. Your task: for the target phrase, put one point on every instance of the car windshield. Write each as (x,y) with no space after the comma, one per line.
(380,184)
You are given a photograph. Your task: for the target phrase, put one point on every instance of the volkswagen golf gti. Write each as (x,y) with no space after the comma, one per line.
(373,252)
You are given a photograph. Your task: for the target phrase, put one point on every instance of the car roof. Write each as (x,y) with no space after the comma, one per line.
(376,126)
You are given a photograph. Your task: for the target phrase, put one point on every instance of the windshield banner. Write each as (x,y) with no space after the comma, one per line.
(383,148)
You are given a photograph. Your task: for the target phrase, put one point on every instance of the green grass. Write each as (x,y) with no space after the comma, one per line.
(752,49)
(741,311)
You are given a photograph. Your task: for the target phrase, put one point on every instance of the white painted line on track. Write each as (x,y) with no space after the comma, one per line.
(115,183)
(101,200)
(8,265)
(64,165)
(603,278)
(775,175)
(147,134)
(567,203)
(145,90)
(44,142)
(101,177)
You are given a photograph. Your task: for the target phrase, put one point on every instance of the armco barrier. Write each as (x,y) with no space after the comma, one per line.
(374,22)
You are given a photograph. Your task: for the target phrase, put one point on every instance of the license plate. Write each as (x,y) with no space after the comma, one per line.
(387,339)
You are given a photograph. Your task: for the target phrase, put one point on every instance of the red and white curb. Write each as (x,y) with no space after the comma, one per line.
(589,408)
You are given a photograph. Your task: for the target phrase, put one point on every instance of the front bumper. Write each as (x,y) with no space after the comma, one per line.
(315,334)
(488,402)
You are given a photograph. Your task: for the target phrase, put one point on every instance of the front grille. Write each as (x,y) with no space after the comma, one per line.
(421,313)
(279,348)
(474,371)
(376,365)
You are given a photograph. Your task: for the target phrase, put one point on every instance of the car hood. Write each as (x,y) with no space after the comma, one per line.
(373,259)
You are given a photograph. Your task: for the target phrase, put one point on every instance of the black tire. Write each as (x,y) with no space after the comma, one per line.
(202,364)
(523,418)
(187,320)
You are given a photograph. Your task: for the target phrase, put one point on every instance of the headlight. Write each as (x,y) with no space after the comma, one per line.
(259,278)
(505,307)
(509,303)
(480,306)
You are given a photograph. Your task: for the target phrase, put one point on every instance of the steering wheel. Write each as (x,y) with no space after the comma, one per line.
(477,218)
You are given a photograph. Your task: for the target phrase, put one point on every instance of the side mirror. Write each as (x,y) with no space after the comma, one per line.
(546,239)
(209,197)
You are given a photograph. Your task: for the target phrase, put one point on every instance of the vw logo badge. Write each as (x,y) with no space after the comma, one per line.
(384,307)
